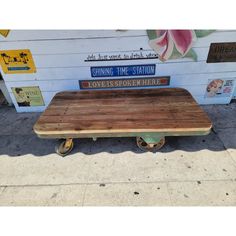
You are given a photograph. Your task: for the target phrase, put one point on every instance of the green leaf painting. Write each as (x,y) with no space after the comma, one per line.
(151,34)
(203,33)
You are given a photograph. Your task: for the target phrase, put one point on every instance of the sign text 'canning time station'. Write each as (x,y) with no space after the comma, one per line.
(126,70)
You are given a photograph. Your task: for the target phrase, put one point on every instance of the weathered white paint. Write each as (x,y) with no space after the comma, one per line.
(106,44)
(83,72)
(36,35)
(27,35)
(60,57)
(5,92)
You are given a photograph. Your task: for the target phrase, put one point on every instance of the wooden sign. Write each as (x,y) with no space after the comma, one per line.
(124,83)
(126,70)
(222,52)
(17,61)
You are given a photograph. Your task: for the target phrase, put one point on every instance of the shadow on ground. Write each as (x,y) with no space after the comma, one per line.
(17,137)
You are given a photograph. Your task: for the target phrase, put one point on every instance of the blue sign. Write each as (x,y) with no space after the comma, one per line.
(129,70)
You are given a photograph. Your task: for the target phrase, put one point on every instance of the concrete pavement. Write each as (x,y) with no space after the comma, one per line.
(188,171)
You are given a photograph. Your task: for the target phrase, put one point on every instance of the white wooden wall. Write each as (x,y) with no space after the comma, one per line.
(59,58)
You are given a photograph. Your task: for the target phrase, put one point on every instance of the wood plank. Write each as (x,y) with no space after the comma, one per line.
(73,43)
(121,97)
(90,94)
(121,102)
(134,111)
(67,128)
(153,119)
(119,125)
(39,35)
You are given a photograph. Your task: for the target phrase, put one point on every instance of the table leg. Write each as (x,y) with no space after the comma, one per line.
(64,147)
(150,143)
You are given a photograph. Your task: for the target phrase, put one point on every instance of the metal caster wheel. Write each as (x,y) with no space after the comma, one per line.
(64,147)
(150,147)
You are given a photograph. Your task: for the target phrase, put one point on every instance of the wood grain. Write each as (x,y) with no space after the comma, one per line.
(122,111)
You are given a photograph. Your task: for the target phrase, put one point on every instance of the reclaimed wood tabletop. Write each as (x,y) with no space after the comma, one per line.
(81,113)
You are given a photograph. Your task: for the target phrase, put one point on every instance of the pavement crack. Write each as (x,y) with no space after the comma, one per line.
(3,189)
(169,194)
(121,182)
(84,194)
(234,162)
(226,149)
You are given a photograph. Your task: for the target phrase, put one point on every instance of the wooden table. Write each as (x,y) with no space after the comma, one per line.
(148,114)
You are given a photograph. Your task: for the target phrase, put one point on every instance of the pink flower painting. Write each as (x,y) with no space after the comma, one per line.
(173,44)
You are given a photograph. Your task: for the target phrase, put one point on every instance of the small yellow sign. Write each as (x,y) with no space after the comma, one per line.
(4,33)
(17,61)
(28,96)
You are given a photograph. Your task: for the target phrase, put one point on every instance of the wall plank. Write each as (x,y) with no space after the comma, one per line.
(36,35)
(92,45)
(83,72)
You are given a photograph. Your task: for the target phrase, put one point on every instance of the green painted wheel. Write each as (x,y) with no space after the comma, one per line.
(64,147)
(150,147)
